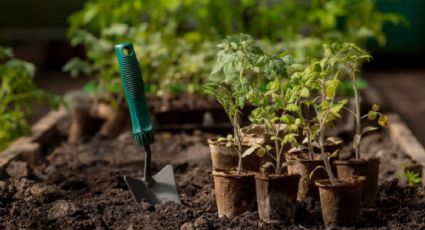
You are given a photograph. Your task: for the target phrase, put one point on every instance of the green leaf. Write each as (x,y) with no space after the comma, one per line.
(292,108)
(269,147)
(261,152)
(305,92)
(371,115)
(383,120)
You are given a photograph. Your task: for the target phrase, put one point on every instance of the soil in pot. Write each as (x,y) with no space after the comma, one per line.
(277,197)
(340,202)
(234,194)
(303,166)
(367,168)
(225,158)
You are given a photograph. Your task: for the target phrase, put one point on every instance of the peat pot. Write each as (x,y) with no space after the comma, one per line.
(276,197)
(234,194)
(226,158)
(340,203)
(304,167)
(367,168)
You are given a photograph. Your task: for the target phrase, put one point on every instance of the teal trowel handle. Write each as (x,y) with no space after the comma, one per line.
(132,82)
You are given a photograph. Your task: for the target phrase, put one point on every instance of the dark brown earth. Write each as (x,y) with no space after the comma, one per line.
(81,187)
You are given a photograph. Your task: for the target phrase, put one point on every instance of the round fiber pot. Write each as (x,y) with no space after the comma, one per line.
(367,168)
(234,194)
(276,197)
(226,158)
(340,202)
(304,167)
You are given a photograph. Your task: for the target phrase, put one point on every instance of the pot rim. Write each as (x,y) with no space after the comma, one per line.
(341,183)
(375,160)
(272,176)
(231,173)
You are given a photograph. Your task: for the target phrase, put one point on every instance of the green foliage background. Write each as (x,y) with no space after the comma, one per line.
(17,95)
(175,39)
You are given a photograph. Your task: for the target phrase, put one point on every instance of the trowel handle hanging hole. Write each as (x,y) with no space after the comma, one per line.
(127,51)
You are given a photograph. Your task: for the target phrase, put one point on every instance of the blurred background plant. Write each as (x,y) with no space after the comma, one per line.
(175,39)
(17,94)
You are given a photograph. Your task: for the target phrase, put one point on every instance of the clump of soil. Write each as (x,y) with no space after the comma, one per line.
(81,187)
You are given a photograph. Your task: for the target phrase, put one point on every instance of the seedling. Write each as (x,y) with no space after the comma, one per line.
(412,178)
(275,109)
(350,57)
(235,67)
(17,94)
(176,37)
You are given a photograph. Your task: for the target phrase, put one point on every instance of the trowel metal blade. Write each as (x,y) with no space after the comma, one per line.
(163,189)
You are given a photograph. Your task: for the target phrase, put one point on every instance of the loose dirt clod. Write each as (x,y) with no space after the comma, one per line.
(60,209)
(45,192)
(18,169)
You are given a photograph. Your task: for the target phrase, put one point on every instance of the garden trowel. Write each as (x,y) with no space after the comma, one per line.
(160,187)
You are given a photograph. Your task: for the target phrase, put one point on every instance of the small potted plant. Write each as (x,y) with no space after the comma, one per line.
(276,190)
(350,56)
(234,188)
(312,86)
(340,198)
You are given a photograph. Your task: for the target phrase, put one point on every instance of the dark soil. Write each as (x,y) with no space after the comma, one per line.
(81,187)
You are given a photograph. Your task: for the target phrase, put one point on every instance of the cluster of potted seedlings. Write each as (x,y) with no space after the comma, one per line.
(284,155)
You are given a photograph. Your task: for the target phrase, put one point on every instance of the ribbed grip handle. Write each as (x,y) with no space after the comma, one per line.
(132,82)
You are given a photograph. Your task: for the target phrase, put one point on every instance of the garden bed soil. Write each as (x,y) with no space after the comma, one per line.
(81,187)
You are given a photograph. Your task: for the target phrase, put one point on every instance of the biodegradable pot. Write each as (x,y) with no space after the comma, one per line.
(304,167)
(225,158)
(340,203)
(276,197)
(367,168)
(234,194)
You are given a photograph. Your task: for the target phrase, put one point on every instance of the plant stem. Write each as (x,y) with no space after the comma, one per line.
(357,108)
(277,146)
(325,159)
(238,143)
(310,146)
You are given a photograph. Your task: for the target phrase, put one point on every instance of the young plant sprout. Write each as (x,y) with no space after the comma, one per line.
(275,107)
(351,56)
(237,61)
(17,93)
(412,178)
